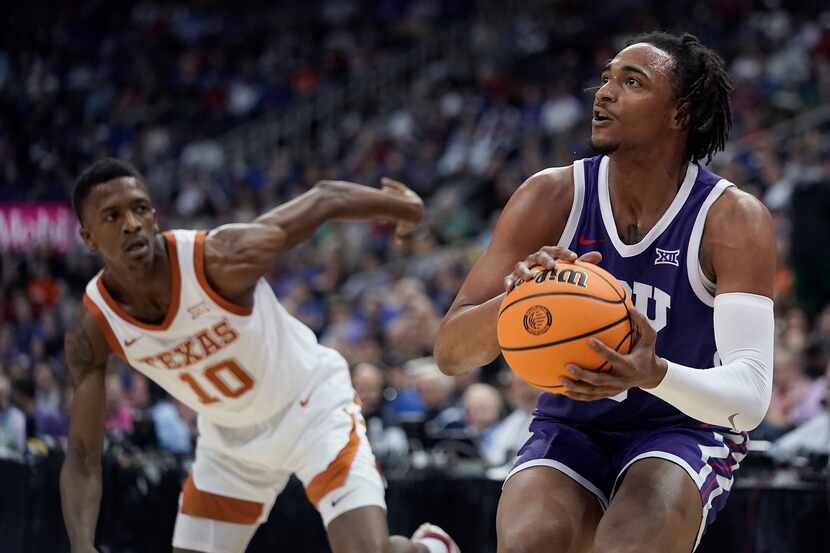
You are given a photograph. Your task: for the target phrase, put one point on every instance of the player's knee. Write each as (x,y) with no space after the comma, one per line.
(550,536)
(616,535)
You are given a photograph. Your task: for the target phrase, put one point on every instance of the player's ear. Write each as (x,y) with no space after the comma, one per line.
(679,116)
(87,238)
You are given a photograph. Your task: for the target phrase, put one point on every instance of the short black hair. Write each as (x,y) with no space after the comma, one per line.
(101,171)
(702,86)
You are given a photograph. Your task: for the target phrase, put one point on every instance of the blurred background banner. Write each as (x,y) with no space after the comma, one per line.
(25,227)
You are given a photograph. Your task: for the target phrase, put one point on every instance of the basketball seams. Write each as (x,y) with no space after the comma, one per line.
(572,338)
(602,368)
(627,336)
(630,322)
(613,286)
(630,334)
(540,294)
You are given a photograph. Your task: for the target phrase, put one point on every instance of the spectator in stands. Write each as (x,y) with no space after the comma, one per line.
(25,324)
(171,421)
(483,406)
(509,435)
(811,437)
(442,416)
(8,348)
(413,329)
(388,440)
(814,361)
(50,414)
(47,392)
(12,424)
(52,333)
(790,389)
(405,401)
(118,415)
(23,397)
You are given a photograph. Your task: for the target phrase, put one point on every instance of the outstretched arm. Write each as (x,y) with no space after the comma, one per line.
(238,255)
(86,353)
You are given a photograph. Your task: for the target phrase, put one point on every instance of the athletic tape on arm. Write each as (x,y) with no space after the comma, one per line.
(737,393)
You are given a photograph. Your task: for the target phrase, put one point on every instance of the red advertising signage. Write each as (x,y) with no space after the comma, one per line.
(25,226)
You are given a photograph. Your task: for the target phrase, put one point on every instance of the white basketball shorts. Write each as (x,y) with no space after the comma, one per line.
(238,472)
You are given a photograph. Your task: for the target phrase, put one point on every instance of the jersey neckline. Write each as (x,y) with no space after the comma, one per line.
(630,250)
(175,291)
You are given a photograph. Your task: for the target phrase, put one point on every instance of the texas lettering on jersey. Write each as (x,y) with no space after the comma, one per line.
(197,347)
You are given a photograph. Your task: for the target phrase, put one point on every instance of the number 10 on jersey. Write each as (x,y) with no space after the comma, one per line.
(227,377)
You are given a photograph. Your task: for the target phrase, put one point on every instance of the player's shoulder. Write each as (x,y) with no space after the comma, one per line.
(738,210)
(553,183)
(549,192)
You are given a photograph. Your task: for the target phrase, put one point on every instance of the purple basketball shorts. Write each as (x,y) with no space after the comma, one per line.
(598,459)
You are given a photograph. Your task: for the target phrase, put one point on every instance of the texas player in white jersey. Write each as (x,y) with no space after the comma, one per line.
(192,311)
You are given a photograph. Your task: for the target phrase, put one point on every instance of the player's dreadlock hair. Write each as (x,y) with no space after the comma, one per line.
(702,87)
(101,171)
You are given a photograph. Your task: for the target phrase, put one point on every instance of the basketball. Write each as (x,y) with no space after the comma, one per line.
(544,324)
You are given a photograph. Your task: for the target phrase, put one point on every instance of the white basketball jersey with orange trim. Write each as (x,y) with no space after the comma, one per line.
(235,366)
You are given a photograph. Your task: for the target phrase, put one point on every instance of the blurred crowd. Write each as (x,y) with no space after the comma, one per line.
(158,83)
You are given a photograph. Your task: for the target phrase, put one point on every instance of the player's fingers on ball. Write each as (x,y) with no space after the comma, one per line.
(580,396)
(591,257)
(558,252)
(607,391)
(642,327)
(591,394)
(532,260)
(592,377)
(577,386)
(523,271)
(614,357)
(545,260)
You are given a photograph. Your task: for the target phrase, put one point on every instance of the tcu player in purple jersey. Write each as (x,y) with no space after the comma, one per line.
(641,457)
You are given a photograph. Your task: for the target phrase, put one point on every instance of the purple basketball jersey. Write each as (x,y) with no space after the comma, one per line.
(663,276)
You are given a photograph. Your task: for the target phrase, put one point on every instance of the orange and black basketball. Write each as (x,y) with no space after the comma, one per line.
(544,324)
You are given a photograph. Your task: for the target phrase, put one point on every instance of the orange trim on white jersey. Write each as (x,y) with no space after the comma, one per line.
(337,472)
(105,327)
(175,291)
(199,266)
(199,503)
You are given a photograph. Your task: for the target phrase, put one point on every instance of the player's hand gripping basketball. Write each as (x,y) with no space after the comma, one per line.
(546,258)
(641,368)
